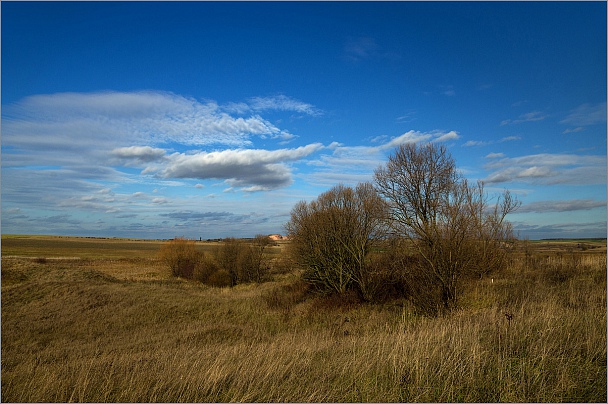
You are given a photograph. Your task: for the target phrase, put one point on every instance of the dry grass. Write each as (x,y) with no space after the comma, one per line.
(121,330)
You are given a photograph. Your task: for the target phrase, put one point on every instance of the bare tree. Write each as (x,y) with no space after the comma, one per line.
(449,224)
(332,235)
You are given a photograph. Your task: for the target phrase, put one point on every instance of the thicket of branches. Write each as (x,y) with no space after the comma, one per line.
(435,229)
(332,236)
(232,262)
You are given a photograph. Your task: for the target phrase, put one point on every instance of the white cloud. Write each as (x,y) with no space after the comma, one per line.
(160,201)
(573,130)
(113,119)
(413,136)
(446,136)
(575,229)
(409,116)
(139,153)
(586,114)
(528,117)
(360,48)
(251,169)
(471,143)
(65,158)
(495,155)
(449,91)
(282,103)
(273,103)
(548,169)
(561,206)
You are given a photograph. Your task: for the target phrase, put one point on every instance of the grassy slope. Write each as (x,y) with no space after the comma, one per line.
(118,329)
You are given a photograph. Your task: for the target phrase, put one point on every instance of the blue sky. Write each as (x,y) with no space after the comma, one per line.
(155,120)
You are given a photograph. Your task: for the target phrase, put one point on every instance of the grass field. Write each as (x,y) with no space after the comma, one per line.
(107,324)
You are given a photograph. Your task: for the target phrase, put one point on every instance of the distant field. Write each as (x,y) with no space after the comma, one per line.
(83,247)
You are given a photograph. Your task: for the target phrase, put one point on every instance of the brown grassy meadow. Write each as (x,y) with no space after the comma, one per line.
(106,323)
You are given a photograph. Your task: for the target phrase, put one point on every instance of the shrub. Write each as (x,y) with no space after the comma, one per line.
(242,261)
(180,256)
(332,235)
(205,267)
(219,279)
(394,273)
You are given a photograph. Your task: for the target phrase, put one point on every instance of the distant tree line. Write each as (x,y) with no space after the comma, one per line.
(416,232)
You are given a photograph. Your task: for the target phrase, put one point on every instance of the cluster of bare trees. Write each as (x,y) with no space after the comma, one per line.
(443,228)
(233,262)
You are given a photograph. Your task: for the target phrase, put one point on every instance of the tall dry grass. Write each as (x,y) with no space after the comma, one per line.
(72,332)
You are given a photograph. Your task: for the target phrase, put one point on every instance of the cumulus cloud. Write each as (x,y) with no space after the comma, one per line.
(548,169)
(141,154)
(253,169)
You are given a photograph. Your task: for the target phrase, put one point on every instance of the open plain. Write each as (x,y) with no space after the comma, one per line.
(101,320)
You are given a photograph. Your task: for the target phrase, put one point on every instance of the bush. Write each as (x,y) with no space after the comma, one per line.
(243,262)
(332,236)
(394,273)
(219,279)
(181,256)
(204,269)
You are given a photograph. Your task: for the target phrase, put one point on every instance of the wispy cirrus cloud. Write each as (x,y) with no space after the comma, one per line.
(561,206)
(283,103)
(360,48)
(278,102)
(547,169)
(527,117)
(567,230)
(473,143)
(585,115)
(111,119)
